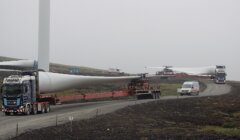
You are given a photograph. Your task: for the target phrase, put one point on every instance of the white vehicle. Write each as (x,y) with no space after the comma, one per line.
(189,88)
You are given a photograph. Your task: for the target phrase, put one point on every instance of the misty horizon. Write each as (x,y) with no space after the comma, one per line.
(128,35)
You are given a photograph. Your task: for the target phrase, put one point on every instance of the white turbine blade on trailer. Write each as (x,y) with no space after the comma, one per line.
(201,71)
(9,70)
(51,82)
(209,70)
(160,68)
(18,64)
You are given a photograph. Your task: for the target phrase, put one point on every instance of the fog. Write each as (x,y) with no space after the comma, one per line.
(127,34)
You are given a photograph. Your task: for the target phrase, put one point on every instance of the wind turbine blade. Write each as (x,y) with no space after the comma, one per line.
(18,65)
(51,82)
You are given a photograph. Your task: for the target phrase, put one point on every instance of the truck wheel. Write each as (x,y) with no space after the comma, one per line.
(34,110)
(27,110)
(47,108)
(7,113)
(154,96)
(43,109)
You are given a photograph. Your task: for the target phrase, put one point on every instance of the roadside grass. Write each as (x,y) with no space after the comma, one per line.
(169,89)
(236,115)
(231,132)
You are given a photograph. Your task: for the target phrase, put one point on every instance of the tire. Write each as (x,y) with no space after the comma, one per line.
(47,109)
(34,110)
(153,96)
(7,113)
(43,109)
(27,110)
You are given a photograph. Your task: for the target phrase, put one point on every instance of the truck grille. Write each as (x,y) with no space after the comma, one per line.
(12,102)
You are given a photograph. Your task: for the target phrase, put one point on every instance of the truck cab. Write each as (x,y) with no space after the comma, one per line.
(19,95)
(220,74)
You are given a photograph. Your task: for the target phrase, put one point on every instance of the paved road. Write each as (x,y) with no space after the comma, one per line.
(61,113)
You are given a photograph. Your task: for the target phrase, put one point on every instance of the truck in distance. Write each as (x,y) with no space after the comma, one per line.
(189,88)
(220,74)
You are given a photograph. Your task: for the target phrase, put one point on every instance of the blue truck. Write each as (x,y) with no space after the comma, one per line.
(20,95)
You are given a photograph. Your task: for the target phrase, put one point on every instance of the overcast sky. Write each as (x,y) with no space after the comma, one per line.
(128,34)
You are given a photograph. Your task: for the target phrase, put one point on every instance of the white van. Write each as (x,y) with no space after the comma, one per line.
(189,88)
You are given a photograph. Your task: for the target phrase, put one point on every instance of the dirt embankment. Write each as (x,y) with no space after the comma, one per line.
(193,118)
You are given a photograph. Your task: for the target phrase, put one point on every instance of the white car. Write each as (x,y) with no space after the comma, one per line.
(189,88)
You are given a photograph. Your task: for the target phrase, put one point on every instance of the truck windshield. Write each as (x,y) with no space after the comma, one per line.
(187,86)
(11,90)
(220,67)
(221,74)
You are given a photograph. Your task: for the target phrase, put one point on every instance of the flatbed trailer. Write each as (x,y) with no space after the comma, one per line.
(141,89)
(148,94)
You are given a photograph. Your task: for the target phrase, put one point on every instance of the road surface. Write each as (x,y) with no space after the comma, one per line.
(60,114)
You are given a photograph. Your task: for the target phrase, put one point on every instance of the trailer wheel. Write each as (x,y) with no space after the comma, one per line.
(47,108)
(34,109)
(43,109)
(27,110)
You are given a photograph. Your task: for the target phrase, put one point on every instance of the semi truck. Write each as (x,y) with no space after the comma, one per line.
(220,74)
(20,95)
